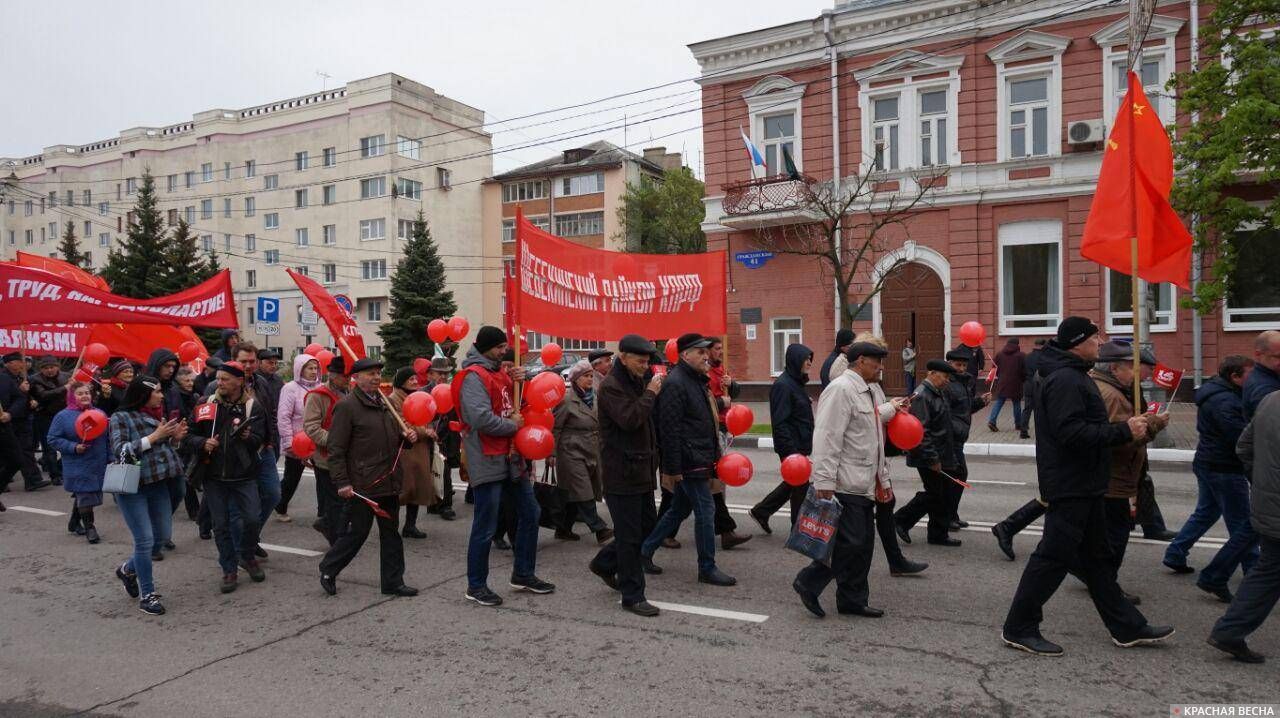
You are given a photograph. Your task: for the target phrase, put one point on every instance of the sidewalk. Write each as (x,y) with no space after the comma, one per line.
(1176,443)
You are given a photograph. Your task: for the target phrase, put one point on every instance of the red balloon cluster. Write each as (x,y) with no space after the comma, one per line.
(443,395)
(538,417)
(551,354)
(303,447)
(673,351)
(97,354)
(323,357)
(544,391)
(734,469)
(972,334)
(437,330)
(739,419)
(313,349)
(188,351)
(91,424)
(535,442)
(796,469)
(458,328)
(906,431)
(419,408)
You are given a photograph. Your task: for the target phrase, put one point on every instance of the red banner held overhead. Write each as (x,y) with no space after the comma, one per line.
(341,325)
(66,270)
(34,296)
(574,291)
(59,340)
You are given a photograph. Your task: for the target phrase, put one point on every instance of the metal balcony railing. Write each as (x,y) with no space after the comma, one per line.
(767,194)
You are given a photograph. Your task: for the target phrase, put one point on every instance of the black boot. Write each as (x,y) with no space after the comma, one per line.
(1018,520)
(90,533)
(410,529)
(74,524)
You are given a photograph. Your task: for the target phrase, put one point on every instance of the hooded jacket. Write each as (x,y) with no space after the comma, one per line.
(790,410)
(1260,382)
(292,396)
(1073,435)
(172,397)
(1011,372)
(1219,422)
(51,394)
(476,411)
(225,352)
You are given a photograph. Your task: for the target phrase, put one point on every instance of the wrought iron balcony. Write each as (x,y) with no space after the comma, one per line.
(767,201)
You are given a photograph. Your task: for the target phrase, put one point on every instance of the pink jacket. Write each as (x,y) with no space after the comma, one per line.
(289,411)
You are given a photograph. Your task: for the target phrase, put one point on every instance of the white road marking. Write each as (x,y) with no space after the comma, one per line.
(1207,542)
(1001,483)
(290,549)
(42,512)
(712,612)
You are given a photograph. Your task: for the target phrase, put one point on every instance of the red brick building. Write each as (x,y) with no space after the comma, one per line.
(1012,100)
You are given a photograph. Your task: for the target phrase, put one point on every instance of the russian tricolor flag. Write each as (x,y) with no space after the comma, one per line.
(757,159)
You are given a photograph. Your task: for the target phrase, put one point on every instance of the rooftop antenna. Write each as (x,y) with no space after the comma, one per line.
(324,83)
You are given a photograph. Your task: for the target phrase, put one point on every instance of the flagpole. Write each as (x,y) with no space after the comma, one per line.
(515,305)
(1133,249)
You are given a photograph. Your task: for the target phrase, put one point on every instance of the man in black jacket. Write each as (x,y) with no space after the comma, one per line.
(689,443)
(17,447)
(962,396)
(791,420)
(844,338)
(934,457)
(259,387)
(1032,363)
(1073,457)
(49,390)
(629,455)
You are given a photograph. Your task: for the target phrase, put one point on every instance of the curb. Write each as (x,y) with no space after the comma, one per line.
(1182,456)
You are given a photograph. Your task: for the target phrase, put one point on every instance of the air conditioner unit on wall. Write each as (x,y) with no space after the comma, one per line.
(1085,132)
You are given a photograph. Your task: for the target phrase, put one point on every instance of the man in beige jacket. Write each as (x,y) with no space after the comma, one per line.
(849,465)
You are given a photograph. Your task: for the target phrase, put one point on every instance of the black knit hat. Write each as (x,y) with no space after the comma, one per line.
(404,374)
(844,338)
(1074,330)
(489,337)
(337,365)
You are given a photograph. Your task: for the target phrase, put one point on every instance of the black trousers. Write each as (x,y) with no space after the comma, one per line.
(1149,516)
(17,453)
(192,500)
(332,509)
(850,557)
(48,456)
(1075,536)
(932,501)
(955,491)
(360,519)
(1255,597)
(1119,525)
(781,495)
(633,518)
(888,534)
(289,485)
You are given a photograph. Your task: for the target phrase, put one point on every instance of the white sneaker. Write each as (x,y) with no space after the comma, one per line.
(284,518)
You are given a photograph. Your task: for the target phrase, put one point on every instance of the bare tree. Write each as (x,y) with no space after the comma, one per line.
(852,226)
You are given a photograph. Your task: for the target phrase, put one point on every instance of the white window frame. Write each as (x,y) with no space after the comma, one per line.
(778,364)
(579,186)
(1114,41)
(250,278)
(373,187)
(226,207)
(102,208)
(329,273)
(532,190)
(206,242)
(1036,231)
(206,209)
(301,160)
(1029,45)
(770,97)
(270,256)
(250,168)
(897,75)
(577,219)
(206,172)
(508,231)
(330,157)
(302,236)
(408,147)
(250,206)
(373,310)
(329,194)
(104,239)
(173,182)
(373,146)
(251,242)
(373,269)
(369,226)
(404,228)
(1231,323)
(300,198)
(329,234)
(1166,320)
(408,188)
(882,135)
(271,220)
(270,182)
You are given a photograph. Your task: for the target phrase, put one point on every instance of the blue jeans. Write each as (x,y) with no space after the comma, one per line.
(692,494)
(484,523)
(149,516)
(1232,494)
(998,404)
(268,494)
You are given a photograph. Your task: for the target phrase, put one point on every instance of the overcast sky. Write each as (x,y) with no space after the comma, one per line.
(95,68)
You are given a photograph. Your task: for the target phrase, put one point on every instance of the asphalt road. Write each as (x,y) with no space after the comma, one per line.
(71,642)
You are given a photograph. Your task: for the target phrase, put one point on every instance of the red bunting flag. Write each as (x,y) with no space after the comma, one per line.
(991,376)
(1132,199)
(35,296)
(343,326)
(377,510)
(1166,377)
(207,411)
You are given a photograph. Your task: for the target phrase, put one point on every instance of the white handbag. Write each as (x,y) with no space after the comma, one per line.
(122,476)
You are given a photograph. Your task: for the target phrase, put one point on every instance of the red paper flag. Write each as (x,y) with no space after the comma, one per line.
(377,510)
(343,326)
(1132,199)
(207,411)
(991,376)
(1163,376)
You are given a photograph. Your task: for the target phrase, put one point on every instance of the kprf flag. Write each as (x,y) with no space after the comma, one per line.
(207,411)
(343,326)
(1163,376)
(757,159)
(1132,199)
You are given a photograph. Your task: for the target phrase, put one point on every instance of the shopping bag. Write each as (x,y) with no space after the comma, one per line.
(814,533)
(550,499)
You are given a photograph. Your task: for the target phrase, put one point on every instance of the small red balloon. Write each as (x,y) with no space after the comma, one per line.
(739,419)
(906,431)
(972,334)
(458,328)
(673,351)
(796,469)
(734,469)
(438,330)
(323,357)
(97,354)
(538,417)
(303,447)
(91,424)
(313,349)
(419,408)
(443,395)
(535,442)
(421,365)
(188,351)
(551,354)
(545,390)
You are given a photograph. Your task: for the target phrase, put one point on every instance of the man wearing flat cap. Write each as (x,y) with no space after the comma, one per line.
(601,361)
(1074,438)
(849,466)
(365,443)
(689,447)
(962,395)
(934,457)
(17,447)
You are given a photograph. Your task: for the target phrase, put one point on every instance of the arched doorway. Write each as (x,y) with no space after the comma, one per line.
(912,306)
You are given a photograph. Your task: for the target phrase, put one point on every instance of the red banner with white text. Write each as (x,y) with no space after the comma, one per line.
(343,326)
(574,291)
(33,296)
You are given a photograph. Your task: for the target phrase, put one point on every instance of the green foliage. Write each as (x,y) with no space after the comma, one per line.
(418,295)
(664,217)
(70,248)
(138,267)
(1233,149)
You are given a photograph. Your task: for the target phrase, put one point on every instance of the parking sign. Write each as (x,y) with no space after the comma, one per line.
(268,309)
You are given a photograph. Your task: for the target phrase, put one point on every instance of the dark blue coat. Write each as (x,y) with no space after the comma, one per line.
(1260,382)
(1219,421)
(790,411)
(81,473)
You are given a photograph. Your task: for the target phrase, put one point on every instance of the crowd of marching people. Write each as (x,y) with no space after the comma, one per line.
(630,424)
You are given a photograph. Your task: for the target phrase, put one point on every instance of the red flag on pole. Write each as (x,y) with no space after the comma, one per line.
(206,411)
(1164,245)
(343,326)
(1166,377)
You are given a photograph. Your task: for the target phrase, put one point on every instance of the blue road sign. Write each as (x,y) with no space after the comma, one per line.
(268,309)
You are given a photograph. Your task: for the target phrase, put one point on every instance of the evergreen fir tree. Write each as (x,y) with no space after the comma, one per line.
(138,268)
(418,295)
(70,248)
(186,265)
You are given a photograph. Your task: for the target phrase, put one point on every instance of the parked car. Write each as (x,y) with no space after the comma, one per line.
(533,364)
